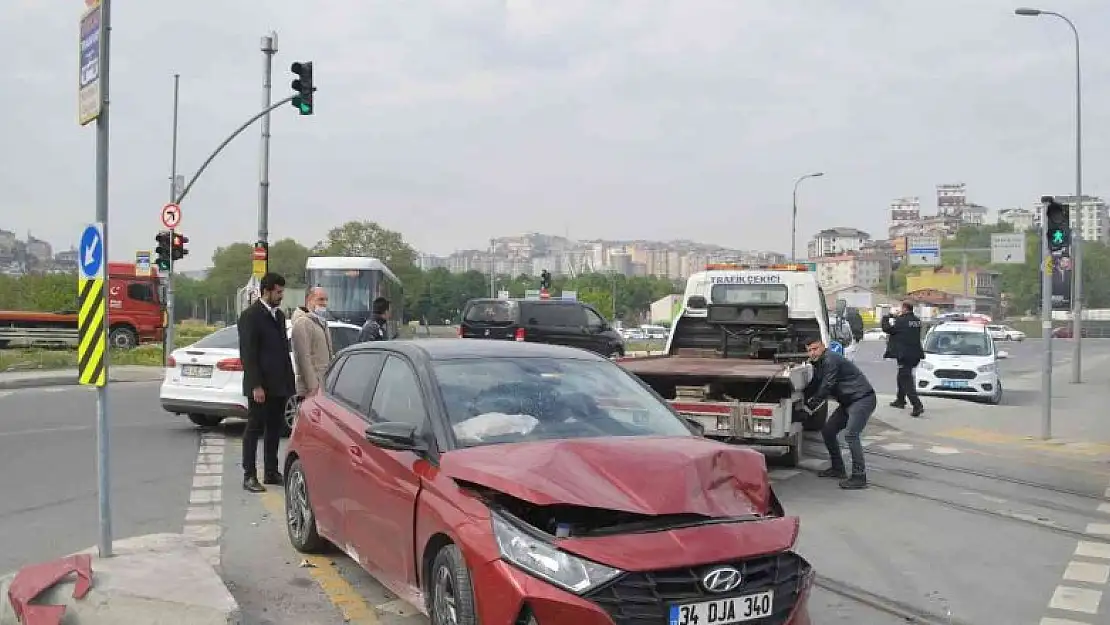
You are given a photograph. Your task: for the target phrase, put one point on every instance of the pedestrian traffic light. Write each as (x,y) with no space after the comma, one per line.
(545,279)
(302,84)
(179,241)
(164,251)
(1057,227)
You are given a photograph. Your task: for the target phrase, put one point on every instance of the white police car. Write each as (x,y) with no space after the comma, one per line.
(960,361)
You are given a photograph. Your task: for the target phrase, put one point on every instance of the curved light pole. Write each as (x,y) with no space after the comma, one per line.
(1077,248)
(794,219)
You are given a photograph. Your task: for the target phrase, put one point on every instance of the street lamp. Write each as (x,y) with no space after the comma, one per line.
(1077,247)
(794,219)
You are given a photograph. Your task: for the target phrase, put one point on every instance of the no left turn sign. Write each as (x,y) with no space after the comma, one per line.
(171,216)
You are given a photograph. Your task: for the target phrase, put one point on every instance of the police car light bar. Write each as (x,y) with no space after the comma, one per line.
(778,267)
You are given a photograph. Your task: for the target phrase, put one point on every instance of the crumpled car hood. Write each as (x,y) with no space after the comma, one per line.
(641,475)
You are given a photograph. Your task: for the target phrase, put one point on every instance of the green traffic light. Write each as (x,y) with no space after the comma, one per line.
(304,108)
(1057,236)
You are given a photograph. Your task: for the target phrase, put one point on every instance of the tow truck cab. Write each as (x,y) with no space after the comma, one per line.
(735,362)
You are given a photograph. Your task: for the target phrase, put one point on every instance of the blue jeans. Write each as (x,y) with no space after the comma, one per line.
(853,418)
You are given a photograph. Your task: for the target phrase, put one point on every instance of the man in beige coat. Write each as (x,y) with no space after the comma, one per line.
(312,347)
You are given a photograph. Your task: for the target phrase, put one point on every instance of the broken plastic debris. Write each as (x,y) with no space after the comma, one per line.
(305,564)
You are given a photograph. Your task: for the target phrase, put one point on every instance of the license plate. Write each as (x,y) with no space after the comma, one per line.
(724,611)
(954,383)
(196,371)
(724,424)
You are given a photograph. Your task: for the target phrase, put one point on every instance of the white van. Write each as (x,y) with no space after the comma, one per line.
(961,361)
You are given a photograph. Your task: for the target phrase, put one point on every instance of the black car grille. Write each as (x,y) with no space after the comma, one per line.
(956,374)
(645,598)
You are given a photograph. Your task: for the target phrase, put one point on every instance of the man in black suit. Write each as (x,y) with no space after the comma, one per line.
(267,380)
(903,343)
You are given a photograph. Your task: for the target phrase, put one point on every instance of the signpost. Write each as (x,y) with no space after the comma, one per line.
(171,216)
(142,264)
(923,251)
(258,261)
(92,330)
(89,98)
(1008,248)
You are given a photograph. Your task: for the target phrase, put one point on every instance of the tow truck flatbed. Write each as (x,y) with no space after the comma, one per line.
(708,366)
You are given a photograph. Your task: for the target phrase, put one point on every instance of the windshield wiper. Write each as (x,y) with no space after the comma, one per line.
(667,522)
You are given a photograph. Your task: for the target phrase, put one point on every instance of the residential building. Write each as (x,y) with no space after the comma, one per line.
(864,270)
(949,289)
(835,241)
(1021,219)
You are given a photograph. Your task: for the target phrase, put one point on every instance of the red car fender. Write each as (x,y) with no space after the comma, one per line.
(31,581)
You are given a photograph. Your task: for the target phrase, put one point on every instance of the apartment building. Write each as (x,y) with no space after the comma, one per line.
(837,241)
(1020,219)
(854,269)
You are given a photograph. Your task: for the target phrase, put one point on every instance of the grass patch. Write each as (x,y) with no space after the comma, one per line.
(46,359)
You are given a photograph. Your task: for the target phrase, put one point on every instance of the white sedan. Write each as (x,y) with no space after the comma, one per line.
(1005,333)
(205,380)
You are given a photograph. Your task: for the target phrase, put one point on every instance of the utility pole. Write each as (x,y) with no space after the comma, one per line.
(492,273)
(1046,329)
(167,338)
(269,48)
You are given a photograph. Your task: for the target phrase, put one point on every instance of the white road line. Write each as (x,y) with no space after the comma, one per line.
(1061,621)
(1104,508)
(1093,576)
(1093,550)
(203,518)
(943,451)
(1087,572)
(897,446)
(1074,599)
(1098,529)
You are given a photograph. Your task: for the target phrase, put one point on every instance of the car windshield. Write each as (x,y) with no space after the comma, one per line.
(958,344)
(509,400)
(227,338)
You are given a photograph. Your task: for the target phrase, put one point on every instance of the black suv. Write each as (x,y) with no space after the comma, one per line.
(553,321)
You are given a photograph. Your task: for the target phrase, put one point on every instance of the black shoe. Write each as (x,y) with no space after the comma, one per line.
(856,482)
(897,404)
(917,412)
(831,472)
(274,478)
(251,485)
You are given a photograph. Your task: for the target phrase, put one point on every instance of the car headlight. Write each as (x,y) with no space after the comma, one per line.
(986,369)
(928,366)
(544,560)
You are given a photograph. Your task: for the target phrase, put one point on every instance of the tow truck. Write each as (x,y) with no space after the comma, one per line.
(735,362)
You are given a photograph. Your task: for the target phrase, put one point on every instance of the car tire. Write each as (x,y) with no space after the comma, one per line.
(205,420)
(123,337)
(300,519)
(450,590)
(996,398)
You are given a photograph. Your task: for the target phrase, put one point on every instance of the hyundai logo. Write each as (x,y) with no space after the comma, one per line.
(722,579)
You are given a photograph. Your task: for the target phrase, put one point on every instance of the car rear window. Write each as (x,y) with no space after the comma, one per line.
(227,338)
(498,312)
(559,315)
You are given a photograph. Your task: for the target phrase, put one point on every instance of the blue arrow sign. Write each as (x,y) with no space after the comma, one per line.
(90,252)
(836,348)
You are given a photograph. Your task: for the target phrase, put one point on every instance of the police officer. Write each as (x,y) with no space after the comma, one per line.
(904,346)
(835,377)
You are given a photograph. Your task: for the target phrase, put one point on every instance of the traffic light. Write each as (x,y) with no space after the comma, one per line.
(1057,227)
(164,250)
(545,279)
(302,84)
(179,241)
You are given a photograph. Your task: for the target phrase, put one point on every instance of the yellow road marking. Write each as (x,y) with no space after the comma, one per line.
(338,591)
(990,437)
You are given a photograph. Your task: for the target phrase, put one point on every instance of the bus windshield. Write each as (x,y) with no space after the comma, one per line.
(352,291)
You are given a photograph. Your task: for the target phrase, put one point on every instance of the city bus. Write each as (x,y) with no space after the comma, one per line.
(353,283)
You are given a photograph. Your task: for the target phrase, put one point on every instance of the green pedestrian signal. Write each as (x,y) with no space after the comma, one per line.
(1057,226)
(164,251)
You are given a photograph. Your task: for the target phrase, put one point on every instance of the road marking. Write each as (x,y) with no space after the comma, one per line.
(990,437)
(203,517)
(1074,599)
(1087,572)
(351,605)
(1061,621)
(1104,507)
(943,451)
(4,394)
(1098,529)
(1093,574)
(897,446)
(1093,550)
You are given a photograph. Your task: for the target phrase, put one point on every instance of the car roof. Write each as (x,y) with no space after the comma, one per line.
(960,326)
(518,300)
(454,349)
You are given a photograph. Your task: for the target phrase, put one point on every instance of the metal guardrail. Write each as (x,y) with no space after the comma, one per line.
(38,336)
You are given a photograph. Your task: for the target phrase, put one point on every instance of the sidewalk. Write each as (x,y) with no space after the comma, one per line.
(68,377)
(1079,425)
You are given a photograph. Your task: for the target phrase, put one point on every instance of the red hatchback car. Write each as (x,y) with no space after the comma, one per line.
(530,484)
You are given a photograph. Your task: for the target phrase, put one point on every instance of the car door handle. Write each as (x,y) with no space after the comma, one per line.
(355,450)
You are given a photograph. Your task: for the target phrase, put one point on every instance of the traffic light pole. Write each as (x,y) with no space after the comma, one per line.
(167,338)
(269,48)
(1046,329)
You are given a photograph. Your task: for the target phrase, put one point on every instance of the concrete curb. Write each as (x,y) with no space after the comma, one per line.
(157,578)
(14,380)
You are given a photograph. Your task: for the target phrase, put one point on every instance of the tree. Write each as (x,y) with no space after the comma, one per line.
(367,238)
(288,258)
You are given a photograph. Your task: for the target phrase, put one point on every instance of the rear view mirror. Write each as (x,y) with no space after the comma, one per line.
(395,436)
(697,302)
(1003,354)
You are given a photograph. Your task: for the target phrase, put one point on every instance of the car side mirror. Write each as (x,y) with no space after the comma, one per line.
(396,436)
(1003,354)
(695,425)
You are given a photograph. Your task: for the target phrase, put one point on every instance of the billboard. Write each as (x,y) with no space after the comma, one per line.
(1061,282)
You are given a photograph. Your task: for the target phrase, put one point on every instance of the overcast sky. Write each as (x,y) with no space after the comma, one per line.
(456,120)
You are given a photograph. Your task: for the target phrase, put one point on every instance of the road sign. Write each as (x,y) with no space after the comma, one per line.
(88,75)
(836,348)
(142,264)
(90,252)
(1008,248)
(258,261)
(923,251)
(171,216)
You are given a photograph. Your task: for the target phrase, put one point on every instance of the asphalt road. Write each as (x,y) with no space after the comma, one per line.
(987,534)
